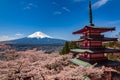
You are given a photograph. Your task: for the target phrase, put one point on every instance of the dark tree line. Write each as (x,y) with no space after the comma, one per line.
(67,47)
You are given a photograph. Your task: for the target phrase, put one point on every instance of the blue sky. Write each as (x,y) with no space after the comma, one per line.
(57,18)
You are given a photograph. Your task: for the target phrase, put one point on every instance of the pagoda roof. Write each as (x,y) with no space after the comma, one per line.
(108,63)
(80,62)
(95,50)
(101,29)
(100,63)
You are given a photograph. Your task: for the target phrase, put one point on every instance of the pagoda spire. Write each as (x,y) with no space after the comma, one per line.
(90,14)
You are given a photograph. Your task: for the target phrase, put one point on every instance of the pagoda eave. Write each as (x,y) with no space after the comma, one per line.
(94,51)
(87,28)
(87,62)
(93,59)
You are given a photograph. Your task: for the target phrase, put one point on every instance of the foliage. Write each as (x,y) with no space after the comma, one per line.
(111,56)
(65,49)
(36,65)
(110,44)
(113,45)
(73,45)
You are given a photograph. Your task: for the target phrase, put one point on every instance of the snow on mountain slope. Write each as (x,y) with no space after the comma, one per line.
(39,35)
(38,38)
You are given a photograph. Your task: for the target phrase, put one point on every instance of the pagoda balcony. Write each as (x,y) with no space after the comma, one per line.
(92,36)
(92,60)
(97,47)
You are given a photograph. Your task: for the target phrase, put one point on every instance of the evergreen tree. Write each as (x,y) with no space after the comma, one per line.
(73,45)
(65,49)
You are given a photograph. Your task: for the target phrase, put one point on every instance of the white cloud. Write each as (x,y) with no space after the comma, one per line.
(66,9)
(28,5)
(100,3)
(57,13)
(4,38)
(61,9)
(18,34)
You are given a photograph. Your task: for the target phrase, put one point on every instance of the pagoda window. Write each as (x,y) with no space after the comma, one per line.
(88,44)
(88,55)
(85,55)
(105,54)
(81,55)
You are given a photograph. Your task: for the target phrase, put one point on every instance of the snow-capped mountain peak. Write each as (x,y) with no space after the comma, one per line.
(39,35)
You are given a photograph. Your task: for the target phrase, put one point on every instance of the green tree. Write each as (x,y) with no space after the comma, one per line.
(65,49)
(73,45)
(111,56)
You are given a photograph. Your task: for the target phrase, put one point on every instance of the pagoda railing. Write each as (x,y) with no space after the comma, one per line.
(92,47)
(92,59)
(92,36)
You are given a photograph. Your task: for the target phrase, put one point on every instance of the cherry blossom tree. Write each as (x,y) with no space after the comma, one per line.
(36,65)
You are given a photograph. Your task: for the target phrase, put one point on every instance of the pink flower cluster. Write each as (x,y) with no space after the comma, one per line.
(36,65)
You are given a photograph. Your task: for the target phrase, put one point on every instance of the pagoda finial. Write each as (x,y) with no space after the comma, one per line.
(90,13)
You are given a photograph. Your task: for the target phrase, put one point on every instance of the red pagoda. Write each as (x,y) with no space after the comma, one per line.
(91,47)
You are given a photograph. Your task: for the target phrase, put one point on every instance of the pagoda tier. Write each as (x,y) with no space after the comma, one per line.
(93,42)
(92,37)
(93,55)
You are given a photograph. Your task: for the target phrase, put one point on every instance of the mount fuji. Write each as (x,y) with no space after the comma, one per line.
(39,35)
(38,38)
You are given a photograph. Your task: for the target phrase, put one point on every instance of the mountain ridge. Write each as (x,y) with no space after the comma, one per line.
(38,38)
(39,35)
